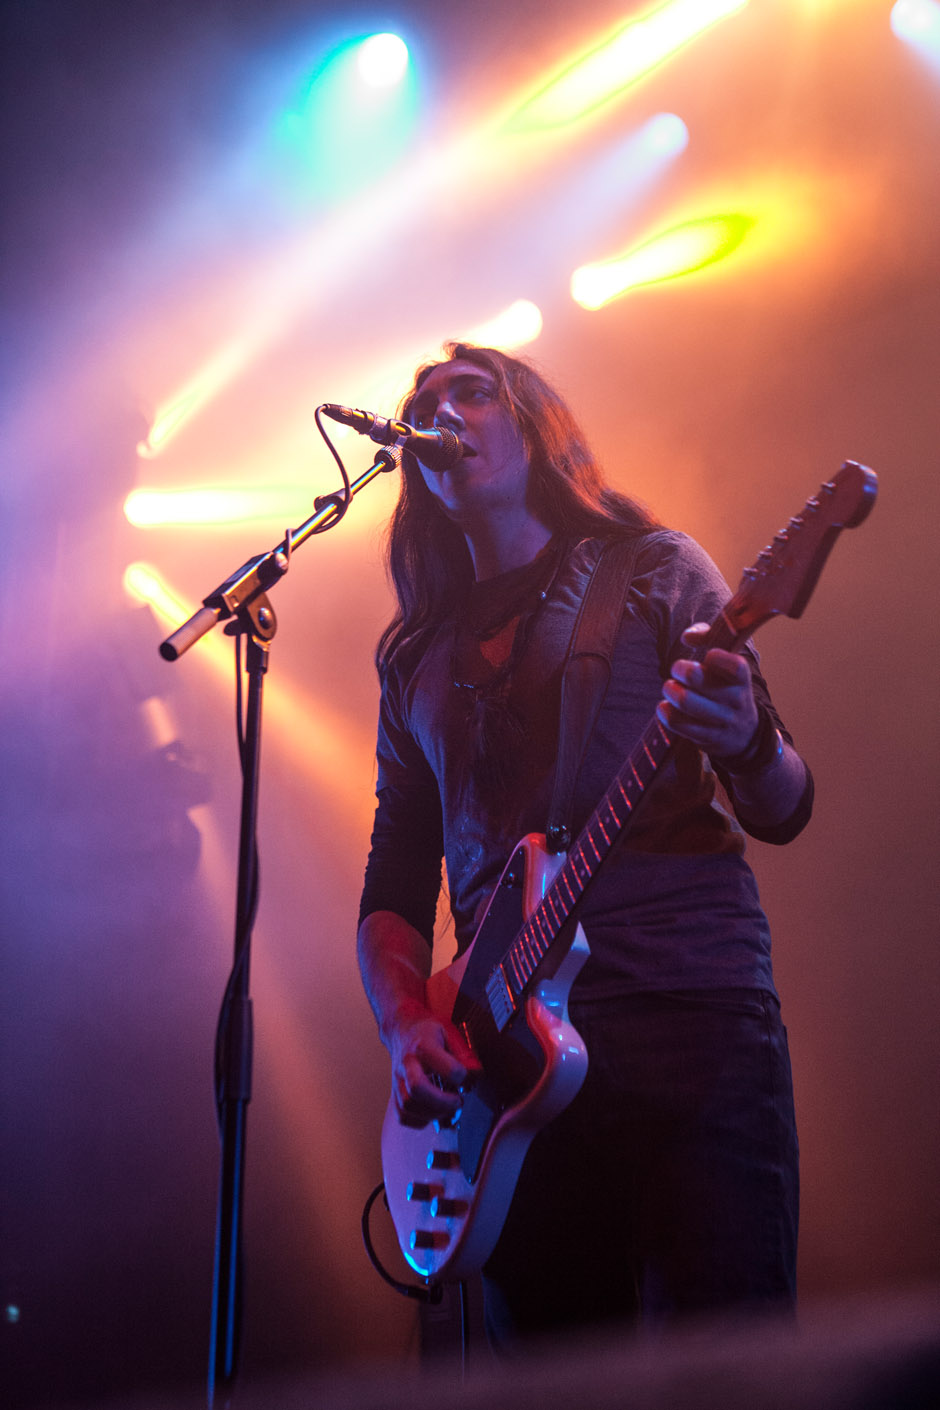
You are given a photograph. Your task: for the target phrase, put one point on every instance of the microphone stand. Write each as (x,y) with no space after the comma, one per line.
(243,598)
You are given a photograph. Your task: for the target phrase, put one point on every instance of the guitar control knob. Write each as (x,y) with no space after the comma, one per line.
(419,1191)
(443,1160)
(428,1238)
(442,1208)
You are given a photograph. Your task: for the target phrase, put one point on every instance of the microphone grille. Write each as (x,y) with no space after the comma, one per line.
(445,455)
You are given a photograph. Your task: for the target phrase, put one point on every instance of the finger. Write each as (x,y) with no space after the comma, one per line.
(693,636)
(449,1059)
(726,668)
(717,736)
(689,673)
(692,707)
(420,1098)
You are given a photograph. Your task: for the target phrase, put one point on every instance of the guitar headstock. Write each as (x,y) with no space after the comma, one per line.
(783,575)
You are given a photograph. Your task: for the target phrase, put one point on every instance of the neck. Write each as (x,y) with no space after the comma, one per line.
(496,546)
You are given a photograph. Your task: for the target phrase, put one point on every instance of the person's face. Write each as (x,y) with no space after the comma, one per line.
(494,472)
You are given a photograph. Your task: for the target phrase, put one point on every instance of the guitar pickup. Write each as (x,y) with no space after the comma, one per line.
(502,1004)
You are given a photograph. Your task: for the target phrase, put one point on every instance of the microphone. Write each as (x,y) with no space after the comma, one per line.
(438,450)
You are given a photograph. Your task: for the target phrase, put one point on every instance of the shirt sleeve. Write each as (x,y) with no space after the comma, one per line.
(687,587)
(403,871)
(785,831)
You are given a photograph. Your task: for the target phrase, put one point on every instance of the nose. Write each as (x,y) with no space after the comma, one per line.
(447,415)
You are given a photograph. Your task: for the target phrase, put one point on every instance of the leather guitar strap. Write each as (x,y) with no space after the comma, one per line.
(587,675)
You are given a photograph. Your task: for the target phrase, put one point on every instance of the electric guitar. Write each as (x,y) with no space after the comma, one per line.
(449,1186)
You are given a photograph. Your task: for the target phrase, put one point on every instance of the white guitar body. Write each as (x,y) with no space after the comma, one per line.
(448,1209)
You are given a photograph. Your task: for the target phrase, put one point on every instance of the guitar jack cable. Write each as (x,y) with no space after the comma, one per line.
(430,1294)
(421,1292)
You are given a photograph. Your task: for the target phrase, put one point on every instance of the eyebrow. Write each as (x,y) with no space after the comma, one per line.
(457,384)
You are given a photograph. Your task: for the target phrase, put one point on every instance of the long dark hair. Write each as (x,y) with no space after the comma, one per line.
(427,557)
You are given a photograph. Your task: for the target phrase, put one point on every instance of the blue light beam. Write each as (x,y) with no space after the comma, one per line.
(355,118)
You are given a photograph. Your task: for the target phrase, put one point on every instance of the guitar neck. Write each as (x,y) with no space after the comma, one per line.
(510,980)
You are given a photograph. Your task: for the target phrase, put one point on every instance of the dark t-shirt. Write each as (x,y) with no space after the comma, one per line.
(676,905)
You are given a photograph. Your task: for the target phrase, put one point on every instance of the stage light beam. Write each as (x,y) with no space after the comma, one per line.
(355,119)
(156,509)
(629,54)
(681,250)
(517,325)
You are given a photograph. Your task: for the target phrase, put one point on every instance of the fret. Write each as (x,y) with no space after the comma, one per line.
(519,973)
(576,857)
(603,831)
(568,877)
(525,940)
(540,923)
(549,904)
(624,794)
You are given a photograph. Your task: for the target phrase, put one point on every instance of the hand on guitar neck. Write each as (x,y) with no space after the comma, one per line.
(711,703)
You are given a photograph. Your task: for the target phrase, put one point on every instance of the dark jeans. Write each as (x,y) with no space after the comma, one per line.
(670,1185)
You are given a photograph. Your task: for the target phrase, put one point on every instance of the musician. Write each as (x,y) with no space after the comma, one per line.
(669,1186)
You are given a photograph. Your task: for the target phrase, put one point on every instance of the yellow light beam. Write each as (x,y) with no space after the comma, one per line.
(517,325)
(151,508)
(681,250)
(217,373)
(631,52)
